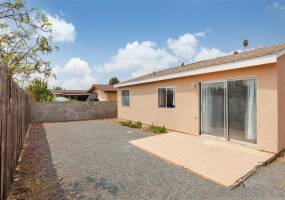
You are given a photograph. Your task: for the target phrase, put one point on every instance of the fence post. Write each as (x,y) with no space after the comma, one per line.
(14,122)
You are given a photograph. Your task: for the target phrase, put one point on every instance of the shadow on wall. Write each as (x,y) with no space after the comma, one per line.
(36,177)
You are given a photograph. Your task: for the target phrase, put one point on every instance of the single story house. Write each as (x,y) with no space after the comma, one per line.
(79,95)
(238,97)
(103,92)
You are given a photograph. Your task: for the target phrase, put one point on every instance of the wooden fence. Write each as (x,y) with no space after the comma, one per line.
(14,122)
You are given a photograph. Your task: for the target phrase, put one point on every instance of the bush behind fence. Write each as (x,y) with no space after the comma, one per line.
(14,122)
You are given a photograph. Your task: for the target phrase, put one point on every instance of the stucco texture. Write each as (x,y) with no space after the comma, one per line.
(185,116)
(105,96)
(281,102)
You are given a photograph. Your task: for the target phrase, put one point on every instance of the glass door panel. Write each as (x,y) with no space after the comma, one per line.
(213,109)
(242,110)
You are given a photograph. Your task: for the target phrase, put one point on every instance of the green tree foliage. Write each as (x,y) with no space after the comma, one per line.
(38,88)
(113,81)
(25,39)
(245,43)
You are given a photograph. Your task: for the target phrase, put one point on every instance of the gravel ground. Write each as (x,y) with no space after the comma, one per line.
(93,160)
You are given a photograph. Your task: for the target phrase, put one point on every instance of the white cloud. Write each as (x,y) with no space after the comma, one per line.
(135,59)
(62,31)
(138,58)
(201,34)
(184,47)
(75,74)
(277,6)
(208,53)
(145,56)
(76,66)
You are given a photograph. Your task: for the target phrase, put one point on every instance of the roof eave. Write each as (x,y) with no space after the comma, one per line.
(91,88)
(214,68)
(75,93)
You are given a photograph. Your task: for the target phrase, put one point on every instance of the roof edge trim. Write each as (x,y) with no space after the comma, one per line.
(214,68)
(281,53)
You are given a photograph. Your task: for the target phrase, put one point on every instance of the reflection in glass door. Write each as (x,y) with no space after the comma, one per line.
(213,108)
(228,109)
(242,110)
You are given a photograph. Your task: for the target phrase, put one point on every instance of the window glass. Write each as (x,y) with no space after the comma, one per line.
(162,97)
(125,97)
(170,98)
(166,97)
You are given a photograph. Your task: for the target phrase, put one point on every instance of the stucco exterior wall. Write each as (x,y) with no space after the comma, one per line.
(111,96)
(102,96)
(105,96)
(185,117)
(281,102)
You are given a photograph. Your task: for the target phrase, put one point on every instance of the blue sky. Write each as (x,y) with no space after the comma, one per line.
(99,39)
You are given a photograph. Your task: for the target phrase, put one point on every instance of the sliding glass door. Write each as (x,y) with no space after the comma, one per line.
(242,110)
(213,108)
(228,109)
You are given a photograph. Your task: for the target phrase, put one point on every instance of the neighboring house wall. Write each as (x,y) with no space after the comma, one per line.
(281,102)
(105,96)
(112,96)
(185,116)
(102,96)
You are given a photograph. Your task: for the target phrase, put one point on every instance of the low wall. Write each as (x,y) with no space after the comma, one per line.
(72,111)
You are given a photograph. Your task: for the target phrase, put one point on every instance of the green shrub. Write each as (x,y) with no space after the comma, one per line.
(157,129)
(124,123)
(139,125)
(131,124)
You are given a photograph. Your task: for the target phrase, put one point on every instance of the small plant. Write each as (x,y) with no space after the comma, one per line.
(157,129)
(139,125)
(124,123)
(131,124)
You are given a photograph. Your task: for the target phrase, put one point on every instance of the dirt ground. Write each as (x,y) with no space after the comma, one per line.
(36,177)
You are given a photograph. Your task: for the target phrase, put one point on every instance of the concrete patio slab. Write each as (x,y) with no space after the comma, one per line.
(220,161)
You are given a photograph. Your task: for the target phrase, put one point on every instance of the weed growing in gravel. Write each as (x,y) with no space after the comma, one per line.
(138,125)
(131,124)
(156,129)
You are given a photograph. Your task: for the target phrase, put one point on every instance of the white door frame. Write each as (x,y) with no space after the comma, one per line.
(225,81)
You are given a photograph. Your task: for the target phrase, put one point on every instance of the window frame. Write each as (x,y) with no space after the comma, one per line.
(123,99)
(174,97)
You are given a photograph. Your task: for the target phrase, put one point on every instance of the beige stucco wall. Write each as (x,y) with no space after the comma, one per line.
(185,116)
(281,102)
(105,96)
(102,96)
(111,96)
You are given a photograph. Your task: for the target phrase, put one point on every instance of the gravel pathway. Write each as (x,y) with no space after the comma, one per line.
(93,160)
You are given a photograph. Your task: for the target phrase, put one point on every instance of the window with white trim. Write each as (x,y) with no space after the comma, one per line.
(125,97)
(166,97)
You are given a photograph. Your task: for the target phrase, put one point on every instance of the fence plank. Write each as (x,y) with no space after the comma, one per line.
(14,122)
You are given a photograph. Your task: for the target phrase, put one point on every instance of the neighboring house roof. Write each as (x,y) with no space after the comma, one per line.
(243,59)
(104,87)
(70,92)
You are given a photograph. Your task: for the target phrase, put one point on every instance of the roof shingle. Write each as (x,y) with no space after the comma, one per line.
(104,87)
(80,92)
(216,61)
